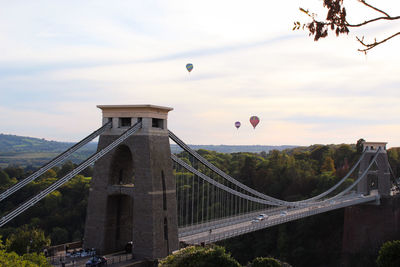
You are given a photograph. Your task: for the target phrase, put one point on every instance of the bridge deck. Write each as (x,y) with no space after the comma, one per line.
(224,229)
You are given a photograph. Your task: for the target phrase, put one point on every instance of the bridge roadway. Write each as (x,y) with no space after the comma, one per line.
(235,226)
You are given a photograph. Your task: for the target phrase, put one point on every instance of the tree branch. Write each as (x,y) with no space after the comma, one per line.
(372,20)
(372,45)
(374,8)
(336,21)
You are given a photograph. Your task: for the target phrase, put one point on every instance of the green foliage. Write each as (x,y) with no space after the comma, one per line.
(328,165)
(63,211)
(12,259)
(37,258)
(66,168)
(248,170)
(59,236)
(5,180)
(319,153)
(26,240)
(52,201)
(389,254)
(49,174)
(265,262)
(292,175)
(210,256)
(394,160)
(14,171)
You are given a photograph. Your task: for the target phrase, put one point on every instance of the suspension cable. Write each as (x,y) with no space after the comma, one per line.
(217,184)
(242,196)
(26,205)
(60,158)
(248,189)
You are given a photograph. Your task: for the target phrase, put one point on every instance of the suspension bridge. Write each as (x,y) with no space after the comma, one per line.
(142,192)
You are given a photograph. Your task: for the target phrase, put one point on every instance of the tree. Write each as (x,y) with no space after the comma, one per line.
(14,171)
(263,154)
(59,235)
(66,168)
(26,240)
(336,21)
(210,256)
(360,145)
(27,260)
(389,254)
(5,180)
(265,262)
(328,165)
(49,174)
(319,153)
(248,170)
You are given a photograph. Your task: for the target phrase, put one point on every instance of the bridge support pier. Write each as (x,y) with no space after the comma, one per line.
(132,195)
(366,228)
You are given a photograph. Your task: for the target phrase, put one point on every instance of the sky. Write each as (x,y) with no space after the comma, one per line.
(59,59)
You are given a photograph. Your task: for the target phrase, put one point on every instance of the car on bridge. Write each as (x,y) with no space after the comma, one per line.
(260,218)
(284,213)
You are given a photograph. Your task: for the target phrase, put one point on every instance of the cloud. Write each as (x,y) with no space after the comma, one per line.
(59,61)
(62,126)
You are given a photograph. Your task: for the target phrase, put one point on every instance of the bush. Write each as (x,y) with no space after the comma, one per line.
(26,260)
(59,236)
(210,256)
(265,262)
(26,240)
(389,254)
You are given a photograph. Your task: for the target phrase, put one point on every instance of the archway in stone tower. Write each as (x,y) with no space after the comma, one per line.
(119,224)
(119,213)
(372,179)
(122,169)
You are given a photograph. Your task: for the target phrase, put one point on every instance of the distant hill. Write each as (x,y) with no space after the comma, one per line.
(232,148)
(25,151)
(28,151)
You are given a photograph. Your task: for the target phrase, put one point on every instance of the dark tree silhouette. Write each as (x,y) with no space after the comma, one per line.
(389,254)
(336,21)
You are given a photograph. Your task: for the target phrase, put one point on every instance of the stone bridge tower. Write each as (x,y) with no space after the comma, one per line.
(367,227)
(378,176)
(132,193)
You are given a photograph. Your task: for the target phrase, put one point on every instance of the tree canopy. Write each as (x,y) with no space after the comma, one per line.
(265,262)
(12,259)
(26,240)
(210,256)
(389,254)
(293,174)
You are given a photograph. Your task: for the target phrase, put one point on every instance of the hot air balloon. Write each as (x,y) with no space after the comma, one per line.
(189,67)
(254,120)
(237,124)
